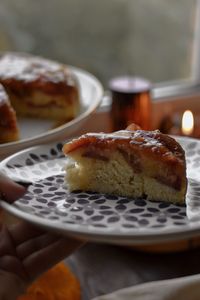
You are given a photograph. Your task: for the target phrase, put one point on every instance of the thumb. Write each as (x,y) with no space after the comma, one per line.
(9,190)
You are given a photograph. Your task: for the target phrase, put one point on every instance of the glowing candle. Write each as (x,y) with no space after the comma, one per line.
(187,123)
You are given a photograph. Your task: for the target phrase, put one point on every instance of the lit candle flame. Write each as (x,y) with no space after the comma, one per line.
(187,123)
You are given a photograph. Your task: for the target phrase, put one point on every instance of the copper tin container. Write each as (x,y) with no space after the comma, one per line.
(131,102)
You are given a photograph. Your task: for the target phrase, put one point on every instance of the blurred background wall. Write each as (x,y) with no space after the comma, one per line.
(150,38)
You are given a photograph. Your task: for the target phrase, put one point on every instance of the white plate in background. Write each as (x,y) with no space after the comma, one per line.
(36,131)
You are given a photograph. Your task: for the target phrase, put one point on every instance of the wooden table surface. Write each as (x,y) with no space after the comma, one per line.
(102,269)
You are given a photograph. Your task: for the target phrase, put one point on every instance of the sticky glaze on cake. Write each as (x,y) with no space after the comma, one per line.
(133,163)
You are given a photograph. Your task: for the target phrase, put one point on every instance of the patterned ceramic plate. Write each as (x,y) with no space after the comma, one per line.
(100,217)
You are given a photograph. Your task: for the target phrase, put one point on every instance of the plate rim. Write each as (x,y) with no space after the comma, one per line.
(52,133)
(97,234)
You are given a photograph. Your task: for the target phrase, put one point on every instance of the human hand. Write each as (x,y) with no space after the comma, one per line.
(26,251)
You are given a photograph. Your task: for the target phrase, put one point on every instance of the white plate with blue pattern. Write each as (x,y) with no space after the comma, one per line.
(100,217)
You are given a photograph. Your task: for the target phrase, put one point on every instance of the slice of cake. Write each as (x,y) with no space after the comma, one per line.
(133,163)
(8,123)
(39,88)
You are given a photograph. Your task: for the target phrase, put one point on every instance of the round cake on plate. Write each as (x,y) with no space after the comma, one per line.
(38,88)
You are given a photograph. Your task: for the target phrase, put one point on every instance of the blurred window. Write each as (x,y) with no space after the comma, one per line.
(150,38)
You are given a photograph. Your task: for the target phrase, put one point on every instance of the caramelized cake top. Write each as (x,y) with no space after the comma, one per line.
(153,143)
(35,72)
